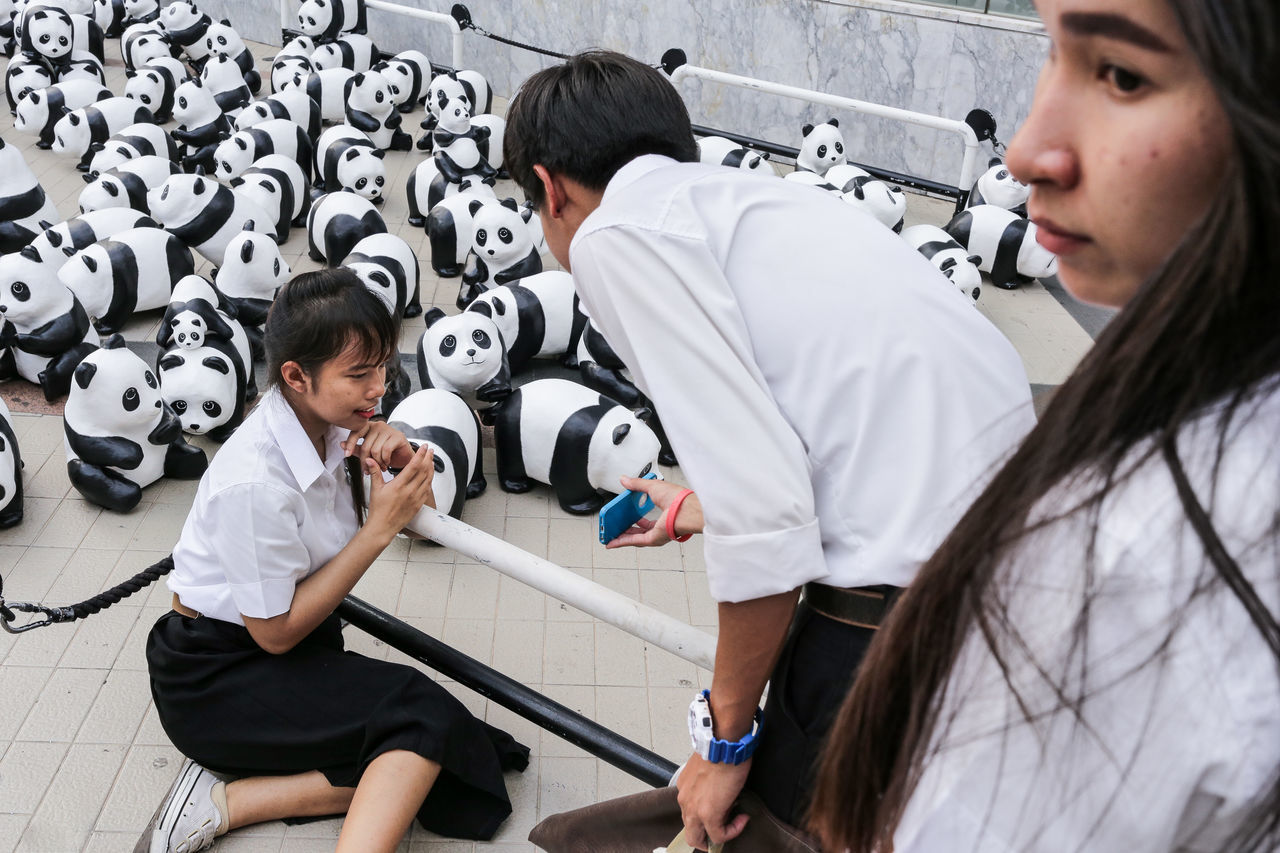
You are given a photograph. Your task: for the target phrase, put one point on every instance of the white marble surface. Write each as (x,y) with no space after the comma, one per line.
(930,59)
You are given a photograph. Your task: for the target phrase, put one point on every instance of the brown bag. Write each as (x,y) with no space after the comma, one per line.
(650,820)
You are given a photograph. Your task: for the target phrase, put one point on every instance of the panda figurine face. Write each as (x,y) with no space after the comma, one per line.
(137,10)
(147,87)
(199,384)
(194,105)
(221,40)
(370,93)
(462,351)
(885,202)
(362,172)
(49,33)
(502,237)
(822,148)
(31,293)
(999,187)
(120,396)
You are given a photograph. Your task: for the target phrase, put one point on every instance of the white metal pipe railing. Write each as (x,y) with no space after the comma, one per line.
(972,149)
(287,22)
(640,620)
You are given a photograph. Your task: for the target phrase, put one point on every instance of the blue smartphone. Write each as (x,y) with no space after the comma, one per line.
(619,514)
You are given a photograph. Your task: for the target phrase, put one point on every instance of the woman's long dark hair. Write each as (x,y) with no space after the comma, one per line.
(1204,330)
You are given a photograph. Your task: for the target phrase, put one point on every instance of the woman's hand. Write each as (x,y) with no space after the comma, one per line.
(394,503)
(648,533)
(383,443)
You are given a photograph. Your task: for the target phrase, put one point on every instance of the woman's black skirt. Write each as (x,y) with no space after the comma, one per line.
(229,705)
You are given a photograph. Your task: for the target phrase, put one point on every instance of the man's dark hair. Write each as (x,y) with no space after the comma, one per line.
(587,118)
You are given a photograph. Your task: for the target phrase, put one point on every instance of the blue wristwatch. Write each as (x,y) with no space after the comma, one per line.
(711,748)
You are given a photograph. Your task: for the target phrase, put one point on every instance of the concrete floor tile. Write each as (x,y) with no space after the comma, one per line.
(113,530)
(112,842)
(612,783)
(579,698)
(626,711)
(624,581)
(144,779)
(238,842)
(380,584)
(472,637)
(425,591)
(133,654)
(88,572)
(150,732)
(664,669)
(619,658)
(41,647)
(47,477)
(565,784)
(519,601)
(119,709)
(663,558)
(611,558)
(11,827)
(703,609)
(535,504)
(22,688)
(669,713)
(25,773)
(518,650)
(161,526)
(35,572)
(569,654)
(691,553)
(528,534)
(440,845)
(665,591)
(569,541)
(100,638)
(70,808)
(474,592)
(359,642)
(68,524)
(429,552)
(63,705)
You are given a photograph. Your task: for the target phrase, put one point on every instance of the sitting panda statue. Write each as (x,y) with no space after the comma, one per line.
(461,147)
(578,442)
(184,27)
(221,39)
(503,249)
(464,355)
(23,201)
(997,186)
(141,11)
(119,434)
(408,73)
(325,20)
(369,108)
(821,148)
(445,88)
(201,124)
(252,271)
(447,424)
(10,471)
(951,259)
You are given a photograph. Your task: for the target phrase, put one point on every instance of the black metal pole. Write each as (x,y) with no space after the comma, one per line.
(601,742)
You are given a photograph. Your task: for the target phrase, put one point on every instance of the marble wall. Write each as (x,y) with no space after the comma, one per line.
(930,59)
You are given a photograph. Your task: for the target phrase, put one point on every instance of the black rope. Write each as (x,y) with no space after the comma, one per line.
(96,604)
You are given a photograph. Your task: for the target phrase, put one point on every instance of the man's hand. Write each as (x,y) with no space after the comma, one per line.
(707,792)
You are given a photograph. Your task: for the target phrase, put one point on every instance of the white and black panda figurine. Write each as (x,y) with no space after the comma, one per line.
(277,184)
(538,316)
(128,184)
(885,202)
(221,39)
(822,147)
(252,271)
(38,111)
(502,249)
(389,267)
(153,85)
(77,132)
(81,232)
(119,434)
(349,50)
(327,88)
(47,329)
(997,186)
(143,44)
(426,188)
(951,259)
(445,88)
(109,15)
(222,77)
(141,11)
(346,159)
(204,214)
(23,202)
(325,20)
(25,75)
(289,70)
(184,26)
(136,140)
(369,108)
(292,104)
(10,471)
(337,222)
(451,225)
(49,33)
(8,44)
(1005,242)
(408,73)
(201,124)
(448,426)
(577,441)
(725,152)
(603,370)
(245,147)
(83,66)
(134,270)
(464,355)
(197,314)
(461,149)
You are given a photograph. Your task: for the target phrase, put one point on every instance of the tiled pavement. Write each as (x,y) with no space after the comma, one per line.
(83,760)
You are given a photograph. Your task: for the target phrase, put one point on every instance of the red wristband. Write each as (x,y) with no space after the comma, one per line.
(672,512)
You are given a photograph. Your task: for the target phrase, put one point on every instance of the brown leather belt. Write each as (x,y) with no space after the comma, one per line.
(864,606)
(184,610)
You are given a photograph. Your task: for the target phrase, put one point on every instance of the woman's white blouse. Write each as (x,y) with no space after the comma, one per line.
(1179,732)
(268,513)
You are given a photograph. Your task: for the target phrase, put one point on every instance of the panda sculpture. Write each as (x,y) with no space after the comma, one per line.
(408,73)
(51,33)
(11,471)
(136,140)
(327,88)
(724,152)
(389,267)
(1005,242)
(451,226)
(134,270)
(951,259)
(201,124)
(204,214)
(143,44)
(346,159)
(8,44)
(184,26)
(603,370)
(119,434)
(575,440)
(77,132)
(502,249)
(350,50)
(325,20)
(445,88)
(23,201)
(47,329)
(426,188)
(997,186)
(252,271)
(141,11)
(197,314)
(128,184)
(337,222)
(369,108)
(292,104)
(245,147)
(464,355)
(81,232)
(153,85)
(821,148)
(538,317)
(82,66)
(109,15)
(277,184)
(24,75)
(289,70)
(221,39)
(38,111)
(222,77)
(885,202)
(297,45)
(448,426)
(461,148)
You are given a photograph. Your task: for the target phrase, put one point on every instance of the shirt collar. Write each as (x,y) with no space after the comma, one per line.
(633,171)
(299,454)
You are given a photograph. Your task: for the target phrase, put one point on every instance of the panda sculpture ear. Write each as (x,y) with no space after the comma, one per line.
(620,432)
(215,363)
(112,189)
(511,204)
(130,74)
(643,414)
(90,177)
(74,119)
(69,251)
(249,225)
(379,153)
(833,122)
(481,308)
(976,260)
(438,463)
(115,341)
(526,213)
(198,187)
(351,153)
(225,22)
(246,251)
(995,161)
(171,360)
(90,263)
(499,306)
(240,143)
(475,206)
(29,252)
(806,130)
(432,316)
(84,373)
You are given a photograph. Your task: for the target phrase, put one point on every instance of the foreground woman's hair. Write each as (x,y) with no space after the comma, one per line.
(1202,331)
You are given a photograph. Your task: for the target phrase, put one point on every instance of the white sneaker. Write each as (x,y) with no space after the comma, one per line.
(194,813)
